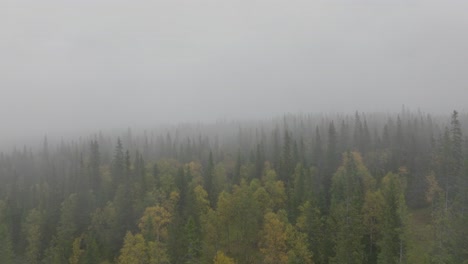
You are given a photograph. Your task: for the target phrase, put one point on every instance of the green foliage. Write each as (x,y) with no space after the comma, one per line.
(77,252)
(298,246)
(393,244)
(6,249)
(61,248)
(265,195)
(157,253)
(32,229)
(209,181)
(350,184)
(91,252)
(234,225)
(373,217)
(104,226)
(312,223)
(191,231)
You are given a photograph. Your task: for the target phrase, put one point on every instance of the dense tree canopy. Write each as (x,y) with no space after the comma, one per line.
(363,188)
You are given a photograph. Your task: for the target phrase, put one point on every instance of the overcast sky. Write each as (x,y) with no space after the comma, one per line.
(92,64)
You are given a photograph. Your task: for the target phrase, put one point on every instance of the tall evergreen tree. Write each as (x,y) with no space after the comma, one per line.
(286,168)
(331,163)
(118,164)
(350,183)
(209,180)
(94,166)
(393,245)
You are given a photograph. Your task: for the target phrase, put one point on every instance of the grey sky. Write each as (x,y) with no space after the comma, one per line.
(92,64)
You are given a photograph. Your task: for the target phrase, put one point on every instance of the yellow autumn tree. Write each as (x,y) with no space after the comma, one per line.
(153,223)
(273,245)
(154,228)
(201,200)
(220,258)
(134,250)
(77,252)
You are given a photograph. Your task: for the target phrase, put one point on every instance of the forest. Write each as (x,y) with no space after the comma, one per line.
(298,188)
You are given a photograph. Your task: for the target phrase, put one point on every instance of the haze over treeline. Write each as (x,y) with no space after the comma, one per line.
(224,129)
(90,65)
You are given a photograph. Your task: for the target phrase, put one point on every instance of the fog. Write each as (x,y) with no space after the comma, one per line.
(68,66)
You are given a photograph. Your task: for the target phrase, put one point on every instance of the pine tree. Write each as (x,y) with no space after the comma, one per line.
(259,160)
(393,244)
(311,223)
(372,218)
(350,183)
(6,244)
(118,165)
(94,164)
(317,152)
(237,169)
(286,159)
(6,247)
(208,180)
(330,164)
(192,236)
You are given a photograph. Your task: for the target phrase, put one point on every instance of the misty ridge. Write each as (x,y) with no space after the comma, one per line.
(225,131)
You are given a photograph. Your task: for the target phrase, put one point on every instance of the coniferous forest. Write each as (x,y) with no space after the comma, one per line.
(301,188)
